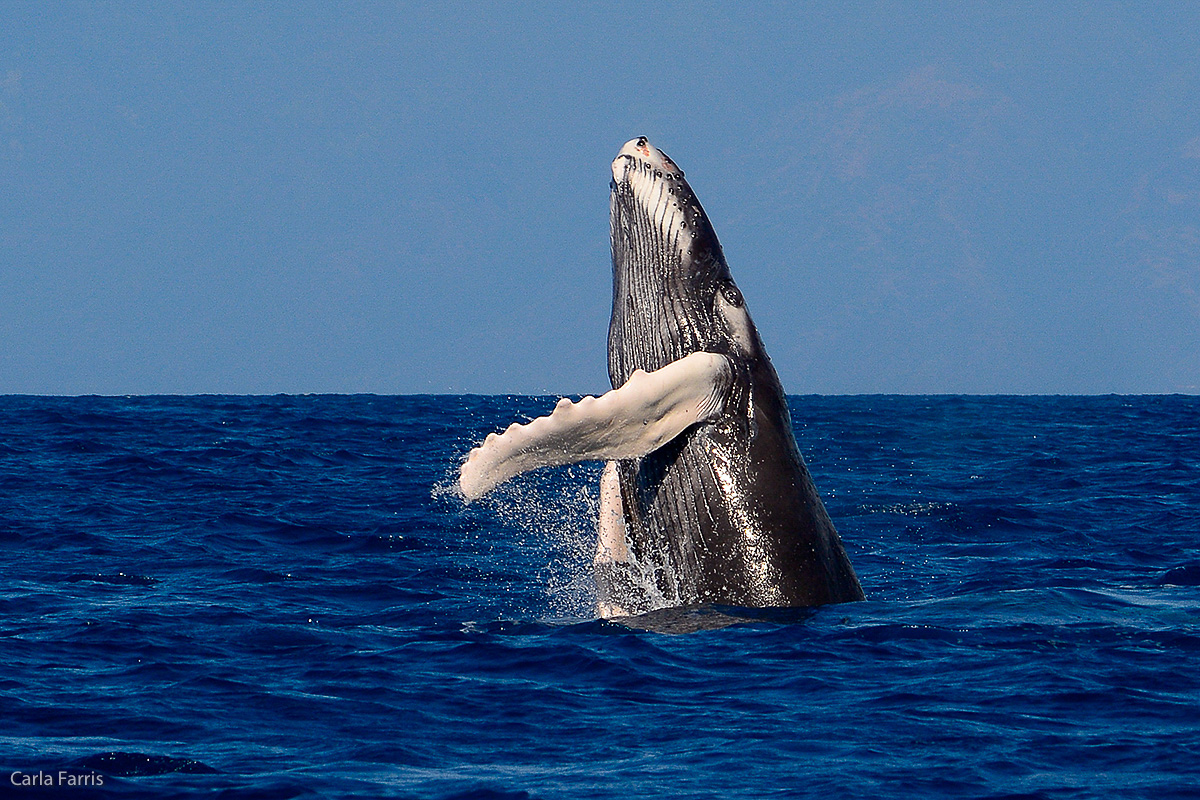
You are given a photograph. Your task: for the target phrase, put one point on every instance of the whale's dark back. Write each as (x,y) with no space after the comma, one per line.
(727,512)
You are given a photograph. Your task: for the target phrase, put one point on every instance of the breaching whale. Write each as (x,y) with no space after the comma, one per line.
(704,497)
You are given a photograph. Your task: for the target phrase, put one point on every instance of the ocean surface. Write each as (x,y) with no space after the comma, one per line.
(282,597)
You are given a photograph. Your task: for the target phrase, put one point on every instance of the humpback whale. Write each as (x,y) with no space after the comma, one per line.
(704,497)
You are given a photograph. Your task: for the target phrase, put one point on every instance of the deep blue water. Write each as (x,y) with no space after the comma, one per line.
(279,597)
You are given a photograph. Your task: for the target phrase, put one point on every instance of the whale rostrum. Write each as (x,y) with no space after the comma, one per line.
(704,497)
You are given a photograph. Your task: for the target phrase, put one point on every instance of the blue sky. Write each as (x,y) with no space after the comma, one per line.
(397,198)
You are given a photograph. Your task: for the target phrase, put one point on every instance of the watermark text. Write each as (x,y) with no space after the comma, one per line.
(57,779)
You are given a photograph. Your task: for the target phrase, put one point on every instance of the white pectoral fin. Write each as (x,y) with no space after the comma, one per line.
(610,528)
(651,409)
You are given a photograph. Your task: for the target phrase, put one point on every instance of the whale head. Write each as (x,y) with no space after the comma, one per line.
(654,199)
(672,291)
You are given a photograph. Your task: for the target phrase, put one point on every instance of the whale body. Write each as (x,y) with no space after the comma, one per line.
(704,497)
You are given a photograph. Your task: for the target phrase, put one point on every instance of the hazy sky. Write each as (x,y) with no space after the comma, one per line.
(396,198)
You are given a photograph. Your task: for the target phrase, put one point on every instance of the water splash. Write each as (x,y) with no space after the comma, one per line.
(553,516)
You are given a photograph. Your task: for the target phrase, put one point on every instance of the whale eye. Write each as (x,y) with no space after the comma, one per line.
(641,142)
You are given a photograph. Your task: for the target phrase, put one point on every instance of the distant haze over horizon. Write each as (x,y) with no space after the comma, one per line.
(382,198)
